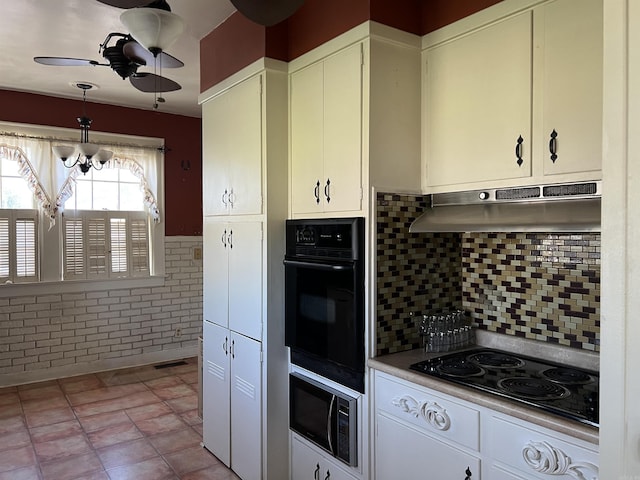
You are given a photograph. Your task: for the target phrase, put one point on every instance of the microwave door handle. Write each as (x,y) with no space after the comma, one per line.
(330,424)
(318,266)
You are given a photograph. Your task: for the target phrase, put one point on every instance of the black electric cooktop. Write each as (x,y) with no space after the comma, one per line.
(567,391)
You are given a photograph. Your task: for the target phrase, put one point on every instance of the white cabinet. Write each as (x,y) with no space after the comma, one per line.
(571,86)
(354,121)
(418,432)
(232,392)
(326,134)
(520,450)
(232,284)
(514,101)
(232,150)
(307,463)
(245,206)
(477,105)
(404,452)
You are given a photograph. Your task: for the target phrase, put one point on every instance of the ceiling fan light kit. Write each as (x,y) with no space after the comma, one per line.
(267,12)
(153,28)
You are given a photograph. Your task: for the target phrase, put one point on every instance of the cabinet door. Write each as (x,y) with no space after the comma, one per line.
(245,278)
(216,392)
(478,103)
(215,156)
(232,150)
(244,123)
(215,272)
(306,93)
(572,86)
(246,425)
(342,181)
(402,452)
(306,463)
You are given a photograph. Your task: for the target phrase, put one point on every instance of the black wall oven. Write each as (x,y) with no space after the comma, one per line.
(324,298)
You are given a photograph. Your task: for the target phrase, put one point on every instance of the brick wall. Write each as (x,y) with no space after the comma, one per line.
(77,332)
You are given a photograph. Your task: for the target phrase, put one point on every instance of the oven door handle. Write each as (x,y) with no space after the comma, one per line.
(330,424)
(318,266)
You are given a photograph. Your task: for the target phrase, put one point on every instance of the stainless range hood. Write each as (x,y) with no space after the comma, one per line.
(571,207)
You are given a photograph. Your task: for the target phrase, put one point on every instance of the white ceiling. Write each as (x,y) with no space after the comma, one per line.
(75,28)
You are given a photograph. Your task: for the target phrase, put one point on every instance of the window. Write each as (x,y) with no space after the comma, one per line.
(58,224)
(18,245)
(105,244)
(105,227)
(18,226)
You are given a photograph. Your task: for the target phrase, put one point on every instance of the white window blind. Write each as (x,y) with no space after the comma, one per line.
(4,249)
(105,244)
(18,245)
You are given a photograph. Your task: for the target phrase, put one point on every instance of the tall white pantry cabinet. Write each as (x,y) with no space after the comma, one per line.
(244,122)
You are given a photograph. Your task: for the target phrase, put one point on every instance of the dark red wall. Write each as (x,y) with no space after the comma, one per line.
(182,135)
(238,41)
(438,13)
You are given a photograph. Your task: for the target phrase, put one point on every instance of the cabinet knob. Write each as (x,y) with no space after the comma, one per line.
(225,196)
(316,473)
(316,192)
(328,475)
(223,239)
(553,146)
(519,160)
(467,472)
(327,190)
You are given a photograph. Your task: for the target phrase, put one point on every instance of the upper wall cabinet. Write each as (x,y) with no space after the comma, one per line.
(354,121)
(232,150)
(514,101)
(326,127)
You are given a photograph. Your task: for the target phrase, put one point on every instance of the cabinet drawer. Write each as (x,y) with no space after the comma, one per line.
(430,412)
(539,454)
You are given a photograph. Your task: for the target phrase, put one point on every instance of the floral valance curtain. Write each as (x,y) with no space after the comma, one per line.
(52,183)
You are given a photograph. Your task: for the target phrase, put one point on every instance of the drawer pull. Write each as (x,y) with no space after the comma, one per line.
(430,412)
(546,459)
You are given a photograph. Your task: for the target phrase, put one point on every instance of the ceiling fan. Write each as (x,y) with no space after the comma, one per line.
(124,58)
(157,27)
(262,12)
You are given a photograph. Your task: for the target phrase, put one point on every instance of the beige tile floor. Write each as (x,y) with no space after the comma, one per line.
(139,423)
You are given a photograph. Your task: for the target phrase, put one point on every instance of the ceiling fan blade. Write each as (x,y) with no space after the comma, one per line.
(267,12)
(136,52)
(125,3)
(65,62)
(161,4)
(150,83)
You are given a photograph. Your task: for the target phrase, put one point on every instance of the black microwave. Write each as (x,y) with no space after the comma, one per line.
(324,416)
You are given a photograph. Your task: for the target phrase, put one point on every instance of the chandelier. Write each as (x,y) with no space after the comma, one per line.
(89,154)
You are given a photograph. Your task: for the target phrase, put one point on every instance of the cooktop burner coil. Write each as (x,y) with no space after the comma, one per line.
(460,368)
(496,360)
(567,376)
(533,388)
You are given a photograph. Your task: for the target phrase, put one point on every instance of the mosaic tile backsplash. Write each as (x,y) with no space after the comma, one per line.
(544,287)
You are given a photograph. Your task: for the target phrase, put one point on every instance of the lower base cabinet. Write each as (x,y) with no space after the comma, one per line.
(403,452)
(308,463)
(232,426)
(424,434)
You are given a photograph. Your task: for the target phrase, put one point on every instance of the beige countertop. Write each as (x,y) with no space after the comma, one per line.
(397,364)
